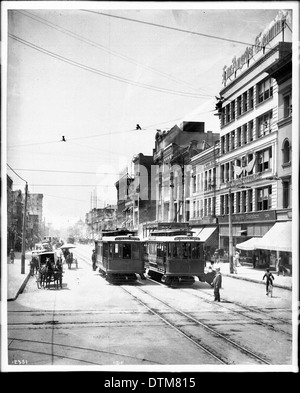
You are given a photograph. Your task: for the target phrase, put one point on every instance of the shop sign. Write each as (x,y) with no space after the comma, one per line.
(250,217)
(261,41)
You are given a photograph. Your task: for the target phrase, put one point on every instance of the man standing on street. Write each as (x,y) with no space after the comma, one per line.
(94,260)
(217,284)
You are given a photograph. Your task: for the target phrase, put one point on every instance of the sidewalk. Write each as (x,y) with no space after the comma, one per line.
(16,281)
(248,273)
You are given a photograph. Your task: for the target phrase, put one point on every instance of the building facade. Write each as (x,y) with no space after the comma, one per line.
(255,140)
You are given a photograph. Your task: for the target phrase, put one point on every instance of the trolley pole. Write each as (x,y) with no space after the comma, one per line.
(24,232)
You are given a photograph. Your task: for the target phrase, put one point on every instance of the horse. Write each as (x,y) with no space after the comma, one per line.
(54,273)
(69,260)
(41,276)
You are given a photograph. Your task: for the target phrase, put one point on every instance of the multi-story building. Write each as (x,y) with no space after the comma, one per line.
(255,143)
(141,190)
(172,155)
(124,215)
(204,186)
(97,220)
(34,218)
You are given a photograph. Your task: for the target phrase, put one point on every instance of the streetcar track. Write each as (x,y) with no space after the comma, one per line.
(240,313)
(188,316)
(202,347)
(74,347)
(194,340)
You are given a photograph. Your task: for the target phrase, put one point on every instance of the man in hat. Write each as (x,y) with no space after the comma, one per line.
(94,260)
(217,284)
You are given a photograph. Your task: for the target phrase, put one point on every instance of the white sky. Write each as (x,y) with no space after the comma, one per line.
(48,97)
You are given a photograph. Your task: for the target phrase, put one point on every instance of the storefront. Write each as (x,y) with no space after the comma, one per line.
(275,244)
(245,227)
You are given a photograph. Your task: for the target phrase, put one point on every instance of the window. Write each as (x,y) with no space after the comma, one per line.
(232,140)
(244,134)
(238,202)
(223,144)
(250,200)
(127,251)
(265,90)
(227,110)
(264,160)
(239,105)
(243,202)
(239,136)
(233,110)
(135,251)
(264,124)
(245,102)
(264,198)
(222,207)
(196,250)
(287,105)
(286,152)
(250,131)
(251,99)
(286,194)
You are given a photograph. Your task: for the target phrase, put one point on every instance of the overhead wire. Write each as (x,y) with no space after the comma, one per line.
(16,173)
(102,47)
(106,74)
(169,27)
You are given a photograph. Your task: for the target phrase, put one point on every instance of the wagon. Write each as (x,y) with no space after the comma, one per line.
(50,270)
(68,255)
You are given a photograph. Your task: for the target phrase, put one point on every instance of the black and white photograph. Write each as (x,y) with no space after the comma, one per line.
(149,199)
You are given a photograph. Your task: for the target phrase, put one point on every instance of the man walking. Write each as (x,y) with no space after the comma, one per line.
(217,284)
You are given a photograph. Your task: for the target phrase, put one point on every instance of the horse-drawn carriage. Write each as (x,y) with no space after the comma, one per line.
(49,270)
(68,255)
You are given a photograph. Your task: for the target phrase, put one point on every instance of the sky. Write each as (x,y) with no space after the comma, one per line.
(91,71)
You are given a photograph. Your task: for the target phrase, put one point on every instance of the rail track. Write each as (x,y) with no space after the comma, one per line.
(216,344)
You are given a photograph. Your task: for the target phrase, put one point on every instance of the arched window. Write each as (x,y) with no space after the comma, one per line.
(286,152)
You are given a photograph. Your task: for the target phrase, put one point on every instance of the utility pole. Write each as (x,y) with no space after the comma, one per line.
(24,232)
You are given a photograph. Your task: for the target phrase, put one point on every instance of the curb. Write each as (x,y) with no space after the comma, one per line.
(256,281)
(21,289)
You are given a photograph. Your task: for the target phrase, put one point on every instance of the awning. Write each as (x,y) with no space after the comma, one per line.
(204,232)
(249,244)
(278,238)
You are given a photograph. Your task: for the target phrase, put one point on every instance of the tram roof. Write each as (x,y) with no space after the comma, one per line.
(177,238)
(128,238)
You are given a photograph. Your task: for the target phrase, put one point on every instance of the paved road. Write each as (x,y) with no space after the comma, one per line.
(90,322)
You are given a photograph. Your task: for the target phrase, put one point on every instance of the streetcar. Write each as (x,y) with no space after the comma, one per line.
(119,256)
(174,256)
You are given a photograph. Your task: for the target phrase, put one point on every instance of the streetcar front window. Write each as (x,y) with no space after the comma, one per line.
(135,251)
(127,251)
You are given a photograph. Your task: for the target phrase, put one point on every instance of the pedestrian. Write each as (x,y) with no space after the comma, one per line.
(254,260)
(217,284)
(234,264)
(269,281)
(94,260)
(279,266)
(237,258)
(12,256)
